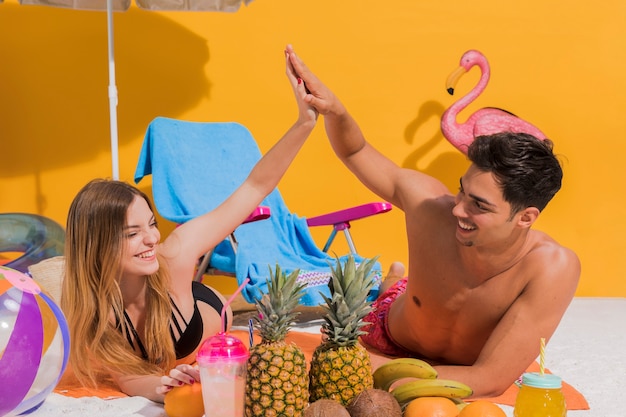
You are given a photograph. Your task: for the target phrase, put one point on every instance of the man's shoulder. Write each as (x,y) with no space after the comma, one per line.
(548,255)
(415,188)
(545,245)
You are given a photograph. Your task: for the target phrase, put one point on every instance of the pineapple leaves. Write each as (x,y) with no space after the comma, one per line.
(277,307)
(347,305)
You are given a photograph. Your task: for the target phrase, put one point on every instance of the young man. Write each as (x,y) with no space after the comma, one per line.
(483,287)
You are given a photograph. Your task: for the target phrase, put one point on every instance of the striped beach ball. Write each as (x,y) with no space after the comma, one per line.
(34,344)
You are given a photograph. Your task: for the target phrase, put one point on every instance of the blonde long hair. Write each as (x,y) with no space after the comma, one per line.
(91,294)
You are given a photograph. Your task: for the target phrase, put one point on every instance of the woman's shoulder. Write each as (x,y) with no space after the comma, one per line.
(208,295)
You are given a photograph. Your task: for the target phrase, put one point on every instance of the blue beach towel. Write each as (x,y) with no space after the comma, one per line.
(195,166)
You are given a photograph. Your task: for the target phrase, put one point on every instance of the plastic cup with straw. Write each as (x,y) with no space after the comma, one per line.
(540,392)
(222,359)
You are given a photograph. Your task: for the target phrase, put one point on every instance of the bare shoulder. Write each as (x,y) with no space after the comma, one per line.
(551,260)
(546,247)
(414,187)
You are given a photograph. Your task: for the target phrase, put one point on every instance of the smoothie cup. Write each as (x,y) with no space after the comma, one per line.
(223,364)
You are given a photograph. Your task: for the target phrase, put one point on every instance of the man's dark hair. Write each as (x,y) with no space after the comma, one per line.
(525,167)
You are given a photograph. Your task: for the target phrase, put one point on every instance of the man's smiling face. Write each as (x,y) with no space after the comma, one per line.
(482,213)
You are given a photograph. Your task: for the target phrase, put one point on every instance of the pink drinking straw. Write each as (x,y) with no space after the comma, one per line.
(230,300)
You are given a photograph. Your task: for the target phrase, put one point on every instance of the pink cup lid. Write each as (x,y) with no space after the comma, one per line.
(220,348)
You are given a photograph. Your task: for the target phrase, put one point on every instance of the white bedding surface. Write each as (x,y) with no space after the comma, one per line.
(587,350)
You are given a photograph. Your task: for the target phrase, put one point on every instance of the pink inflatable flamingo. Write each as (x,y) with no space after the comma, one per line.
(485,121)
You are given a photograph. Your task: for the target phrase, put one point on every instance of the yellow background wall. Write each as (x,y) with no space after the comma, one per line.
(560,65)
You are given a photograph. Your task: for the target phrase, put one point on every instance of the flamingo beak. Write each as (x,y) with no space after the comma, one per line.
(453,78)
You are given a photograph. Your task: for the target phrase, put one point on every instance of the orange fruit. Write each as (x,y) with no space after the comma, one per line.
(482,408)
(431,407)
(184,401)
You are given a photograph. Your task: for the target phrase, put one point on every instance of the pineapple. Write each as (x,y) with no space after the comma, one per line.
(341,367)
(277,383)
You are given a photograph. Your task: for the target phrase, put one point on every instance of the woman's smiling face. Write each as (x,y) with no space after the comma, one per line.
(141,237)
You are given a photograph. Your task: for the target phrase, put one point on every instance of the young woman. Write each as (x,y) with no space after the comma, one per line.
(135,314)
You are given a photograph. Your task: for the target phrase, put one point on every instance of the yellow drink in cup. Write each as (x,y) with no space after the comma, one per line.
(540,396)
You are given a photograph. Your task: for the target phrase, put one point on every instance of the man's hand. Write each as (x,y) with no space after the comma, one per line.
(319,96)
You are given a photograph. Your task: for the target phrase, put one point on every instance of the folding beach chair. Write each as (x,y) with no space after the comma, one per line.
(197,165)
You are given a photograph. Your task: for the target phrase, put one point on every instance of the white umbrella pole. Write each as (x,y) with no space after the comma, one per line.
(112,94)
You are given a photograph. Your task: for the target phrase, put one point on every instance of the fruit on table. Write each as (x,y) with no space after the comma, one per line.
(277,381)
(423,382)
(184,401)
(326,408)
(399,368)
(431,407)
(374,403)
(431,388)
(482,408)
(341,367)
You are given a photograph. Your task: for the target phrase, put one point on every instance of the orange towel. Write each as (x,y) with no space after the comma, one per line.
(70,387)
(308,342)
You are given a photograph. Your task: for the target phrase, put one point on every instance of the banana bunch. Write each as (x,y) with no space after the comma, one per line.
(424,384)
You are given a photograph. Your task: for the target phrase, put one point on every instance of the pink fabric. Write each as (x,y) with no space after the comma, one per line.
(378,335)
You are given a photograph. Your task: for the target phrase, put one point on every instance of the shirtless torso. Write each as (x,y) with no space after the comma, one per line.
(452,309)
(478,299)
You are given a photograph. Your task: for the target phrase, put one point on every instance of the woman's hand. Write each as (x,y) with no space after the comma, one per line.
(306,112)
(318,95)
(182,374)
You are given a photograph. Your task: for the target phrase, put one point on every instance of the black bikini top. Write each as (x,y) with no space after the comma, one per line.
(189,336)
